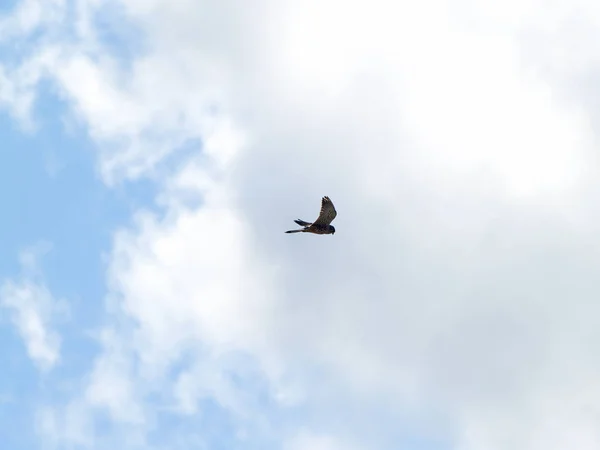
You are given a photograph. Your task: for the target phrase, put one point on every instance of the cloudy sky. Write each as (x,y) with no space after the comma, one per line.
(154,151)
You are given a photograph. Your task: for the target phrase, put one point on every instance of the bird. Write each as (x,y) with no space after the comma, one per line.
(322,224)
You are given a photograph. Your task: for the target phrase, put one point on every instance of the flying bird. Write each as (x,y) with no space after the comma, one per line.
(322,224)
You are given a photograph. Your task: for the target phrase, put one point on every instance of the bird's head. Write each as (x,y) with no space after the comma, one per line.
(332,229)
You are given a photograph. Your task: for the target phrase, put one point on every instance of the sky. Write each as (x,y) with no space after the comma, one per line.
(154,152)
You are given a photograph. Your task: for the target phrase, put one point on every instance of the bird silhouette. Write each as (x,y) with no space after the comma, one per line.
(322,224)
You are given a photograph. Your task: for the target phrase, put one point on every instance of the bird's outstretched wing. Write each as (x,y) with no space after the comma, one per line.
(327,213)
(302,223)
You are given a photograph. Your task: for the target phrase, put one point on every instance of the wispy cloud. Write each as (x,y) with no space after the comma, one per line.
(33,310)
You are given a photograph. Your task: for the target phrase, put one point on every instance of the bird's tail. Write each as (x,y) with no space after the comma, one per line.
(302,223)
(294,231)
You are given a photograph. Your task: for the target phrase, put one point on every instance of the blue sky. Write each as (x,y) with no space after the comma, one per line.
(154,151)
(50,187)
(57,200)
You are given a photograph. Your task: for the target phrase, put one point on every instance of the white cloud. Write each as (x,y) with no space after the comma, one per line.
(461,278)
(33,310)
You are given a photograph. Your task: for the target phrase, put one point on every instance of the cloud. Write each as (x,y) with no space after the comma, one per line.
(33,310)
(457,297)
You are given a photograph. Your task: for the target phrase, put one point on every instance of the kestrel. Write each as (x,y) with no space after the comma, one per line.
(322,224)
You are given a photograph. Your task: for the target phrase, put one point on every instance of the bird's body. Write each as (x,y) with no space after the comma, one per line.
(322,224)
